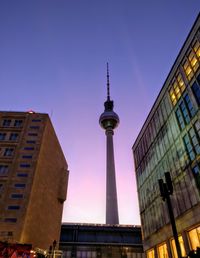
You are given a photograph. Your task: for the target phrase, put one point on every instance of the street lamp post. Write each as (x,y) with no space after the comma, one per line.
(166,189)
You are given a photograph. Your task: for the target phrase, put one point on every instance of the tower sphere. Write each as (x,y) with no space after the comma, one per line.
(109,119)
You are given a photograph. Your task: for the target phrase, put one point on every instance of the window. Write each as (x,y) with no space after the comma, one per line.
(189,105)
(8,152)
(13,207)
(196,173)
(18,123)
(193,60)
(196,92)
(1,188)
(28,148)
(182,247)
(197,49)
(3,170)
(162,251)
(22,174)
(6,122)
(188,70)
(180,118)
(32,134)
(185,111)
(30,141)
(34,127)
(27,156)
(36,120)
(20,185)
(194,237)
(25,165)
(177,88)
(2,136)
(194,140)
(13,136)
(189,147)
(11,220)
(16,196)
(150,253)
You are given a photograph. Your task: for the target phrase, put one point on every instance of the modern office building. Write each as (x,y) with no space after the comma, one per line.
(170,141)
(101,241)
(33,179)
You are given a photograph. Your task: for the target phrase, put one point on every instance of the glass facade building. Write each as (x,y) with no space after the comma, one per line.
(170,141)
(101,241)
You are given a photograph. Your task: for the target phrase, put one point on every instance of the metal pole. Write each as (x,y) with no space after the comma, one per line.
(173,224)
(166,189)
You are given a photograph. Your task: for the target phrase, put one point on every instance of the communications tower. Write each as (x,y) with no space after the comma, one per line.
(109,120)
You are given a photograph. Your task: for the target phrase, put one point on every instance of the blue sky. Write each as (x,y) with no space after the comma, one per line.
(53,58)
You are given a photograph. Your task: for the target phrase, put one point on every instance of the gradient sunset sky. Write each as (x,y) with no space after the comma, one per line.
(53,58)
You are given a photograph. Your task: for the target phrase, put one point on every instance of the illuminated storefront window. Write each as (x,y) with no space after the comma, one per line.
(173,247)
(162,251)
(150,253)
(194,237)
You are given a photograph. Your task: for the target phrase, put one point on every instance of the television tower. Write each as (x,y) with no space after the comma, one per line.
(109,120)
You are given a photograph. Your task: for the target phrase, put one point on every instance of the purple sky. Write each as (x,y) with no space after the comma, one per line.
(53,58)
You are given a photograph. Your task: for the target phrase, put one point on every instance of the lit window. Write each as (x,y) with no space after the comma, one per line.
(150,253)
(177,88)
(182,247)
(173,96)
(2,136)
(180,82)
(8,152)
(188,70)
(162,251)
(193,61)
(194,237)
(13,136)
(197,49)
(6,122)
(18,123)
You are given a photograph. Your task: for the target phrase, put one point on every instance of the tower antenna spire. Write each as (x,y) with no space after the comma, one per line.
(108,84)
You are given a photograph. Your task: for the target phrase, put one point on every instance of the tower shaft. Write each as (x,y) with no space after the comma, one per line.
(111,191)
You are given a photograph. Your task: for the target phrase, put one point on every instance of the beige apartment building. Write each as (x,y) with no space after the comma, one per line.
(170,141)
(33,179)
